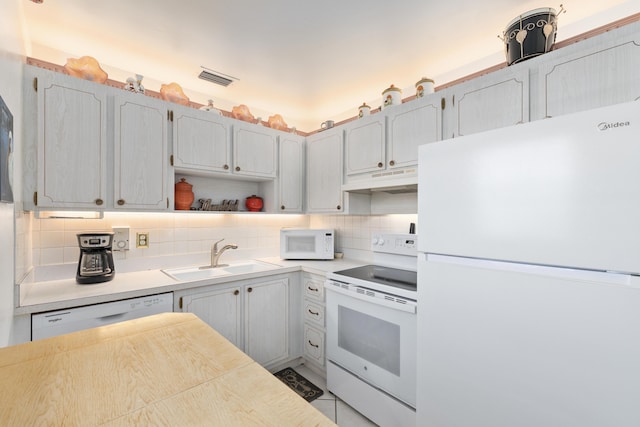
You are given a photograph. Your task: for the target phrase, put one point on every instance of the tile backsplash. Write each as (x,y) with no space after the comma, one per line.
(53,241)
(354,232)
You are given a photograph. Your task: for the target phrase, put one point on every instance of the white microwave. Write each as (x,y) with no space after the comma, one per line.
(300,243)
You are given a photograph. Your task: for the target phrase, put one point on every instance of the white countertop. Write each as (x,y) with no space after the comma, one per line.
(40,296)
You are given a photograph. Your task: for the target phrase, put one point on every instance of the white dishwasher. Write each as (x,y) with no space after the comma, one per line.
(52,323)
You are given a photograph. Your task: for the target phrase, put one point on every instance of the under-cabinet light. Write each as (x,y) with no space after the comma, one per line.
(69,215)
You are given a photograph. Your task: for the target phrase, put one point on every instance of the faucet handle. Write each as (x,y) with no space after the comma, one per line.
(215,245)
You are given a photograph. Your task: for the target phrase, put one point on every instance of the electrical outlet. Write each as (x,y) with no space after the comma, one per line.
(120,238)
(142,240)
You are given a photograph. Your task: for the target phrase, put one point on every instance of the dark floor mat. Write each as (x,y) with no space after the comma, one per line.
(296,382)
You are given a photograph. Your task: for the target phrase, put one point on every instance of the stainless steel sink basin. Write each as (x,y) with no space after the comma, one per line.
(188,274)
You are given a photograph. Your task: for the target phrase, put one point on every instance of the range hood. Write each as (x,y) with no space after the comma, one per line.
(393,182)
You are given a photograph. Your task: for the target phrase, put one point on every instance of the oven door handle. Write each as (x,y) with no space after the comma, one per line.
(394,303)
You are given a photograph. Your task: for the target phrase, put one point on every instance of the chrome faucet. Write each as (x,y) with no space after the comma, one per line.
(215,253)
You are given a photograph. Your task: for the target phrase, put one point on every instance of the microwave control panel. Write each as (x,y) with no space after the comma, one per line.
(328,242)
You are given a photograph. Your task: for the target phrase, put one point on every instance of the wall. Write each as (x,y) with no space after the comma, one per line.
(11,59)
(353,233)
(171,235)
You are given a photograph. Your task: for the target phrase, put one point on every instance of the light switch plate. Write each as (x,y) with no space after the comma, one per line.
(120,239)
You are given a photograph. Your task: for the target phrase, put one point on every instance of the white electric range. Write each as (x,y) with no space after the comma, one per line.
(371,332)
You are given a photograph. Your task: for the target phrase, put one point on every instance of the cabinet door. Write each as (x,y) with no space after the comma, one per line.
(593,79)
(220,309)
(410,125)
(291,176)
(140,153)
(201,141)
(493,101)
(364,143)
(267,321)
(72,143)
(255,150)
(324,172)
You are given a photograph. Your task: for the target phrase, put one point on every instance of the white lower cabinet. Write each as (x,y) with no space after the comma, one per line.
(220,307)
(255,315)
(266,325)
(314,321)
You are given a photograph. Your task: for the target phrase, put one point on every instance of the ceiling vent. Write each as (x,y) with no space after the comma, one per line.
(216,77)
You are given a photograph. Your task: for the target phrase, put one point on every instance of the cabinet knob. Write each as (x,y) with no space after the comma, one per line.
(282,207)
(338,207)
(121,202)
(392,163)
(237,168)
(249,289)
(380,164)
(236,292)
(99,202)
(225,167)
(312,344)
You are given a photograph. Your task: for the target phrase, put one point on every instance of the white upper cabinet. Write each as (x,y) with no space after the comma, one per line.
(324,172)
(409,125)
(598,72)
(255,150)
(365,144)
(489,102)
(140,152)
(291,176)
(71,152)
(201,141)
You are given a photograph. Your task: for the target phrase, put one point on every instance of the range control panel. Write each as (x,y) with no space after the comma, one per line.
(400,244)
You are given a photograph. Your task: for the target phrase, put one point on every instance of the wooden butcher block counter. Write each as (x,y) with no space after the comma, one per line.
(171,369)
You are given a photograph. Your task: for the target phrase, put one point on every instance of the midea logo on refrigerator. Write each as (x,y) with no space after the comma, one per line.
(606,126)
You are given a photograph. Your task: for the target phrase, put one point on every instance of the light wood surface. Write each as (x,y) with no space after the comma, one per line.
(165,370)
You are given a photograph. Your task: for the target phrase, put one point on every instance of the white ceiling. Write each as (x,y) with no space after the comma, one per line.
(306,60)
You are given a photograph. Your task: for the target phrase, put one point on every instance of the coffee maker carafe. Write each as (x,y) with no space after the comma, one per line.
(96,260)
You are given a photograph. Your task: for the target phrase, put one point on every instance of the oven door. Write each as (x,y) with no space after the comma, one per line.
(373,335)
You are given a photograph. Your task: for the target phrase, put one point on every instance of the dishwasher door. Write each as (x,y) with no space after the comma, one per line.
(52,323)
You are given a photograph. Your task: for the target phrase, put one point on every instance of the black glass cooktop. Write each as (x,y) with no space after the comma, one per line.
(395,277)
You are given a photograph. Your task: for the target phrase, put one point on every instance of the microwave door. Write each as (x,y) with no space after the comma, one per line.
(301,244)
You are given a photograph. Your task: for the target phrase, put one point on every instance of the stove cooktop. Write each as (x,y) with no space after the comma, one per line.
(393,278)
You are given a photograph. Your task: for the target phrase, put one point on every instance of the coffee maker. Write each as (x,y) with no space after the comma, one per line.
(96,260)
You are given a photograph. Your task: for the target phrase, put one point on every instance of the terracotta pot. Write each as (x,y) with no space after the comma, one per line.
(254,203)
(183,195)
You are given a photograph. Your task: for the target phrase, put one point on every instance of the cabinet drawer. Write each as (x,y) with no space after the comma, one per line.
(314,287)
(314,313)
(314,345)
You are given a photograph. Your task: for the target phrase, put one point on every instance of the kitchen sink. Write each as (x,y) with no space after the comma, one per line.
(187,274)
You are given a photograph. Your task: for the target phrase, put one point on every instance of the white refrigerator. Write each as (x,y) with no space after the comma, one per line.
(528,274)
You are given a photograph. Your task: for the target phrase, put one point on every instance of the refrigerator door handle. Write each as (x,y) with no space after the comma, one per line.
(603,277)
